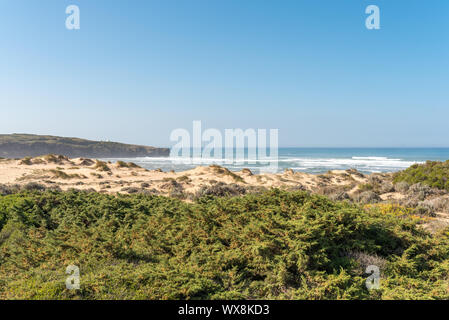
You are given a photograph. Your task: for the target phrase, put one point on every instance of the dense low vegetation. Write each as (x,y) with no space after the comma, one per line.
(30,145)
(275,245)
(432,173)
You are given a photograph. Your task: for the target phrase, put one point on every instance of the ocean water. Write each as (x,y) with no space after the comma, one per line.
(312,160)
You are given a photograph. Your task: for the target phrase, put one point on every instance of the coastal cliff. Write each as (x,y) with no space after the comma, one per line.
(28,145)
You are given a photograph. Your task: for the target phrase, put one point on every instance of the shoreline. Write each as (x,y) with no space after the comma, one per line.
(113,177)
(311,160)
(53,172)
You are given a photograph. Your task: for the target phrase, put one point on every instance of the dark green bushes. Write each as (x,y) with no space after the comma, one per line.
(433,173)
(275,245)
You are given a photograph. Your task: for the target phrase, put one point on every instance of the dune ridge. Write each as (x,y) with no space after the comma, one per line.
(62,173)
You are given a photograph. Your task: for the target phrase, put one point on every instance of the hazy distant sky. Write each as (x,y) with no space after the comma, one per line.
(136,70)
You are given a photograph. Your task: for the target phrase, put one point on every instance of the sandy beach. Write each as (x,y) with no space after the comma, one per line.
(62,173)
(108,177)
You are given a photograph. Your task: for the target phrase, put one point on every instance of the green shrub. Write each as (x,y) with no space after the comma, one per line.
(274,245)
(122,164)
(133,165)
(59,174)
(52,158)
(102,166)
(225,171)
(366,187)
(432,173)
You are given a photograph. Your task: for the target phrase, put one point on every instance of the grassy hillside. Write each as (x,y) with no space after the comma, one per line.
(26,145)
(275,245)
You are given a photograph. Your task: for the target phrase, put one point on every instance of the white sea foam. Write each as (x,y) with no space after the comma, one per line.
(306,164)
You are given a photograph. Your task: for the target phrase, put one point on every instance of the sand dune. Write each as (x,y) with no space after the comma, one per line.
(122,177)
(62,173)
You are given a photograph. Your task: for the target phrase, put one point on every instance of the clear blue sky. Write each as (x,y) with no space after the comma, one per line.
(138,69)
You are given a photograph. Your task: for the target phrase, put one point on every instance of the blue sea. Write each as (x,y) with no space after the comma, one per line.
(314,160)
